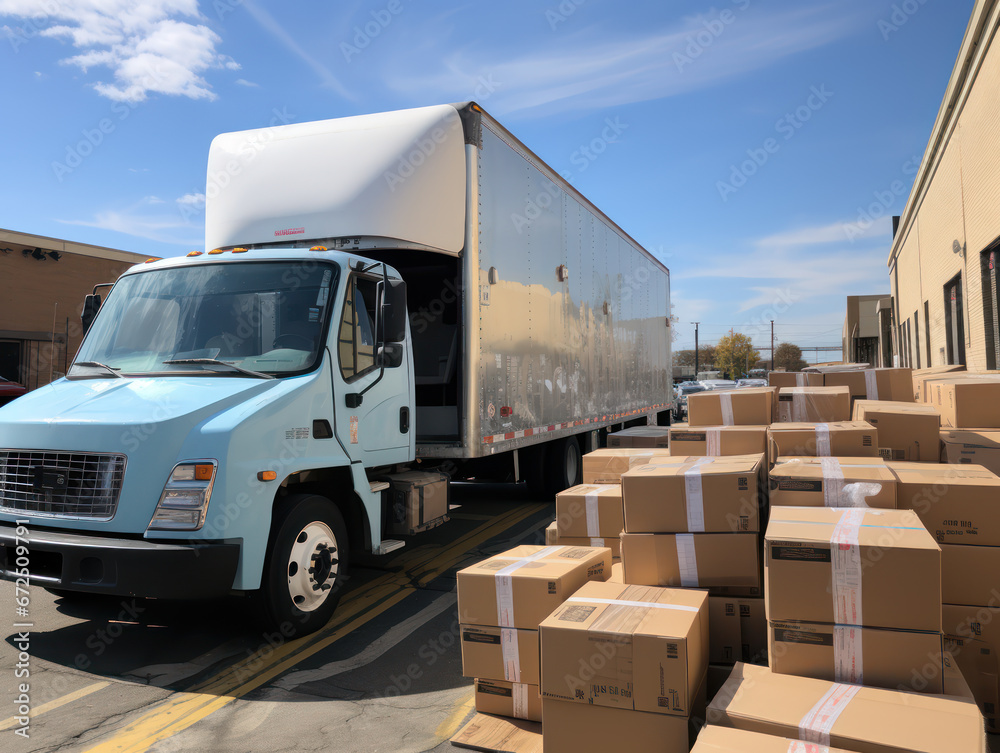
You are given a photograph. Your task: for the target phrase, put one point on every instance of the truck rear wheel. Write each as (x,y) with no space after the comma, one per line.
(563,463)
(306,565)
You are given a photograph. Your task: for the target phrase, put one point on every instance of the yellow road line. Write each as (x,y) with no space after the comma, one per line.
(454,720)
(56,703)
(185,709)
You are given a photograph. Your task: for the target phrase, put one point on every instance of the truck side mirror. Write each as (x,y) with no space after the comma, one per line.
(91,305)
(394,313)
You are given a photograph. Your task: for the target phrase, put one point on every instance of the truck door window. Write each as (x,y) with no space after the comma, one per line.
(356,340)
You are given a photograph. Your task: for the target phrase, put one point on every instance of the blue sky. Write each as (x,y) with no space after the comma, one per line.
(749,135)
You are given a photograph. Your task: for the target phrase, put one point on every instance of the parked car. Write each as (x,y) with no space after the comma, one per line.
(741,383)
(10,390)
(718,384)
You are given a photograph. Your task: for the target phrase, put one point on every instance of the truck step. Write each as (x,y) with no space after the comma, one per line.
(389,545)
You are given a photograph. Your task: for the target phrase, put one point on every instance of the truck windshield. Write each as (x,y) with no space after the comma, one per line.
(265,317)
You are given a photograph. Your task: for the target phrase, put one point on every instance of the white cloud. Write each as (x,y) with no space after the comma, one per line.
(150,218)
(595,69)
(838,232)
(244,82)
(192,200)
(150,46)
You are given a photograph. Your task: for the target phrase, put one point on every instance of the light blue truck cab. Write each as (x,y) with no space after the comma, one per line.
(202,443)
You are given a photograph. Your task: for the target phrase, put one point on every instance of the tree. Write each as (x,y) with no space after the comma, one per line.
(788,357)
(685,358)
(735,355)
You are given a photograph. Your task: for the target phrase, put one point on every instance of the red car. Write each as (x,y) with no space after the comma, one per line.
(10,390)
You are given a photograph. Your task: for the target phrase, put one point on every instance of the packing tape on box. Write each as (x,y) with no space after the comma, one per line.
(848,656)
(511,656)
(628,603)
(823,441)
(726,401)
(595,541)
(800,379)
(871,384)
(694,498)
(519,694)
(593,514)
(505,585)
(833,482)
(713,442)
(800,407)
(845,560)
(816,726)
(797,746)
(687,560)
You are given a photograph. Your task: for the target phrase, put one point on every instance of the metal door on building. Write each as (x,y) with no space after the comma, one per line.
(991,307)
(11,355)
(954,315)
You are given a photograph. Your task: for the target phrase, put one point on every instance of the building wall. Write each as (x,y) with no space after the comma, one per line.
(958,200)
(42,301)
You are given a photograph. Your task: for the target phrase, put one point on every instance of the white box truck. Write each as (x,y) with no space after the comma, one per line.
(376,292)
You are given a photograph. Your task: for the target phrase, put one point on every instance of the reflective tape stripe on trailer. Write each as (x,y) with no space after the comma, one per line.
(521,433)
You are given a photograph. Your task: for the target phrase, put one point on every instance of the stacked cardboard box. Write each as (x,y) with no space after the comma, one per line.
(906,430)
(694,524)
(717,440)
(606,465)
(813,404)
(922,376)
(977,661)
(971,447)
(590,515)
(501,601)
(872,384)
(838,439)
(794,379)
(832,482)
(851,717)
(854,595)
(968,401)
(641,436)
(746,407)
(730,740)
(616,659)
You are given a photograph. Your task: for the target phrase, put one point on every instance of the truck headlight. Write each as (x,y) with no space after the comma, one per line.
(183,504)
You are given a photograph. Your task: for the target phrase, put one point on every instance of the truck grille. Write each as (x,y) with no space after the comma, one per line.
(61,484)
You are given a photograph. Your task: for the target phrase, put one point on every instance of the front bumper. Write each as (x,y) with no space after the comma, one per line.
(121,567)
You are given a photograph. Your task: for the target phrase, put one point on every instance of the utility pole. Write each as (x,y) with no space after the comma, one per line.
(772,345)
(695,348)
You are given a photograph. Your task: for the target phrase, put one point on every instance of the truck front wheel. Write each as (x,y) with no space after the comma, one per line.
(306,565)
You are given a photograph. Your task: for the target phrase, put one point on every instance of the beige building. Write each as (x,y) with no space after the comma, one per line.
(942,267)
(866,326)
(44,281)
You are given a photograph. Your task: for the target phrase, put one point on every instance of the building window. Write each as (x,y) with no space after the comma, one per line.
(927,330)
(954,320)
(988,261)
(916,335)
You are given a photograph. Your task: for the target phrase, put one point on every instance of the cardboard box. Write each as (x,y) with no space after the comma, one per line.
(610,542)
(977,661)
(552,534)
(718,440)
(969,402)
(606,465)
(419,499)
(591,511)
(531,580)
(617,573)
(958,504)
(511,699)
(895,659)
(737,630)
(641,436)
(706,494)
(631,647)
(832,482)
(868,720)
(887,553)
(794,379)
(500,653)
(705,560)
(838,439)
(747,407)
(968,574)
(975,625)
(814,404)
(874,384)
(576,728)
(920,378)
(971,447)
(726,740)
(906,431)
